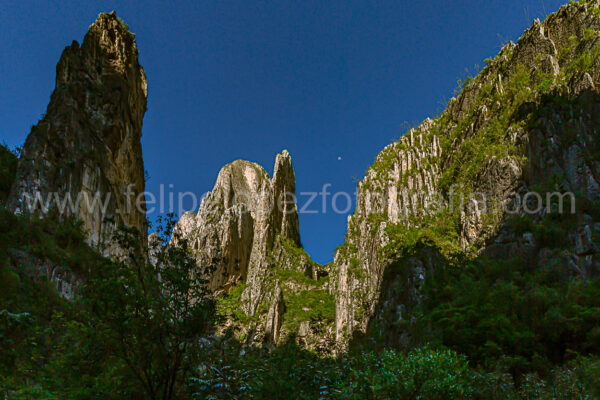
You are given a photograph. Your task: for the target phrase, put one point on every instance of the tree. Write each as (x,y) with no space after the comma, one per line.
(152,315)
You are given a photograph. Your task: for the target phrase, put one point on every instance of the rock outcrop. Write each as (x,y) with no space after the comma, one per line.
(66,282)
(238,221)
(400,187)
(247,232)
(85,154)
(453,186)
(275,316)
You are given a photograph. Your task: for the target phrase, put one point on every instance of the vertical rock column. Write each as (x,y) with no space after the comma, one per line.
(87,145)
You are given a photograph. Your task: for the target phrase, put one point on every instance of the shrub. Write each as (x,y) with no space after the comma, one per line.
(424,373)
(289,372)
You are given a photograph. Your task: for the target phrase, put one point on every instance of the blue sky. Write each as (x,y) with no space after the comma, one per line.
(245,79)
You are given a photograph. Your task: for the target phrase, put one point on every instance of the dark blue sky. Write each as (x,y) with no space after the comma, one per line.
(244,79)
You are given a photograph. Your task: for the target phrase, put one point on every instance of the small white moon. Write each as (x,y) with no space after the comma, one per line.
(339,158)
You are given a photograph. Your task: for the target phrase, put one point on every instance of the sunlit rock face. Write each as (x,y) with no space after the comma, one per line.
(235,228)
(247,232)
(87,145)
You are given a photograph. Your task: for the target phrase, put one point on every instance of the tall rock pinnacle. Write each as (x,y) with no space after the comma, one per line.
(285,216)
(238,222)
(87,145)
(247,233)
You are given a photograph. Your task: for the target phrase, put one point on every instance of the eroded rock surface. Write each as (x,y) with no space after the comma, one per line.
(87,145)
(247,231)
(238,221)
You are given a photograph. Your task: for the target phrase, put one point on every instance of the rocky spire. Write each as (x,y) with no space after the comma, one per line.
(285,216)
(240,219)
(247,230)
(87,145)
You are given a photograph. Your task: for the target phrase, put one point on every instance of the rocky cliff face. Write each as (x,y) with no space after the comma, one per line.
(400,187)
(247,231)
(460,186)
(238,221)
(509,169)
(85,152)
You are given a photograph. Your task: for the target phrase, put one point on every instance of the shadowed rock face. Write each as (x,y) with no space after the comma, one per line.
(88,142)
(547,142)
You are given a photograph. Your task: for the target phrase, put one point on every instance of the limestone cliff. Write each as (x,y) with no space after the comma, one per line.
(452,188)
(247,231)
(87,145)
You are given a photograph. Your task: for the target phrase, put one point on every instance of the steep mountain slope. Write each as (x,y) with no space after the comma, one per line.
(87,145)
(456,187)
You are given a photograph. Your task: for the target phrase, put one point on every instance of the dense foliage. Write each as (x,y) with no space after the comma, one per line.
(132,330)
(292,373)
(502,315)
(513,334)
(8,170)
(235,372)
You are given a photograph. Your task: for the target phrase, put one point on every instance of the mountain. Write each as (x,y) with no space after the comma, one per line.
(459,188)
(247,232)
(470,267)
(86,151)
(456,187)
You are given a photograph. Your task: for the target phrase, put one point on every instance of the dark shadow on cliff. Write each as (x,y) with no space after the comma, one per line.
(401,299)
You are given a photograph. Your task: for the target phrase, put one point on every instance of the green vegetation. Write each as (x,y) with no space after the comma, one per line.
(228,305)
(440,231)
(294,275)
(34,318)
(151,316)
(504,316)
(291,373)
(423,373)
(513,334)
(489,142)
(8,170)
(131,329)
(316,306)
(305,299)
(295,260)
(527,333)
(475,138)
(123,23)
(504,102)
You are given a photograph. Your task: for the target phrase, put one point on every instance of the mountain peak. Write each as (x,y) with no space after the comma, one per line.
(88,141)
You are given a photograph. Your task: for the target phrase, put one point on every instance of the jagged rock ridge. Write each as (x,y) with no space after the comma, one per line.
(527,122)
(87,144)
